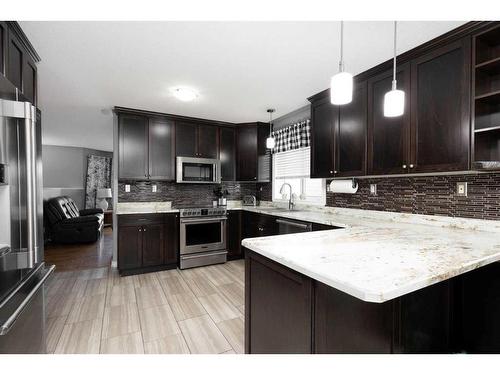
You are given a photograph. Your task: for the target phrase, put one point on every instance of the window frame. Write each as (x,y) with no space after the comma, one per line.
(321,201)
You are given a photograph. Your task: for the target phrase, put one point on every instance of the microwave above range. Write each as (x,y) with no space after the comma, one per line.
(198,170)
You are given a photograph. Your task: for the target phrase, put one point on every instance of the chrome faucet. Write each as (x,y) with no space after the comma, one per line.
(282,191)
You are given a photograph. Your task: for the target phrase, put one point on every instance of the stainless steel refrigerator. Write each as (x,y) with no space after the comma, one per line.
(22,269)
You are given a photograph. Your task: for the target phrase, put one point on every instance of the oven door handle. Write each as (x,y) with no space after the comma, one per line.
(201,220)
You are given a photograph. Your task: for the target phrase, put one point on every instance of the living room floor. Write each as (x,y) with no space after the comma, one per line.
(198,310)
(81,256)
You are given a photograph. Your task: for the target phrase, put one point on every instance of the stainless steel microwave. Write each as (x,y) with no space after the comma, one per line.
(198,171)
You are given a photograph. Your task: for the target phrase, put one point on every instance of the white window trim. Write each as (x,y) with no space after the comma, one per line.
(275,189)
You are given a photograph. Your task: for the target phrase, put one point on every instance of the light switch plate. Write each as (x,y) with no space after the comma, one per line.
(462,189)
(127,188)
(373,189)
(154,188)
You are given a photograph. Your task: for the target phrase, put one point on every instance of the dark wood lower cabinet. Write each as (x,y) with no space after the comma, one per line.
(129,247)
(287,312)
(280,322)
(480,299)
(259,225)
(147,243)
(234,235)
(153,244)
(344,324)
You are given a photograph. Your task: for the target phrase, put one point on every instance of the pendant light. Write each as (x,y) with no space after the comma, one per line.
(341,83)
(394,100)
(270,140)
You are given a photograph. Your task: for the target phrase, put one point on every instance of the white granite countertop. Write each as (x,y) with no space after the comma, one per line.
(376,256)
(379,256)
(130,208)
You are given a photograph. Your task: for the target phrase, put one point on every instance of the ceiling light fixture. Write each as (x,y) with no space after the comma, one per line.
(185,94)
(341,83)
(394,100)
(270,140)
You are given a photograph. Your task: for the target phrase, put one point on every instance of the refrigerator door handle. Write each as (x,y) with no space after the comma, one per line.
(29,123)
(27,112)
(8,324)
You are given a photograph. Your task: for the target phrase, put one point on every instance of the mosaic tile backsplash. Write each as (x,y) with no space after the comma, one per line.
(189,194)
(429,195)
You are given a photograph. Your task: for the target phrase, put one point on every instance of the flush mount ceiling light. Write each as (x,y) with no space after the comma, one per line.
(270,140)
(185,94)
(394,100)
(341,83)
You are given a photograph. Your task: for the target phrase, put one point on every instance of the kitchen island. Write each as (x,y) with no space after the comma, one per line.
(384,283)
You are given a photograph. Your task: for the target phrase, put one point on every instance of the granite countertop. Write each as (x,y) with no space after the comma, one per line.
(130,208)
(379,256)
(375,256)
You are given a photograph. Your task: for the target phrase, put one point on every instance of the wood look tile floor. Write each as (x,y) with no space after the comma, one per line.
(94,310)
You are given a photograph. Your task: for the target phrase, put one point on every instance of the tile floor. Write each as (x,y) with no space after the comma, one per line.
(198,310)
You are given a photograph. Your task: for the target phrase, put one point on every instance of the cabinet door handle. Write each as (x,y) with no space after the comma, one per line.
(331,172)
(140,230)
(411,165)
(404,166)
(335,172)
(144,230)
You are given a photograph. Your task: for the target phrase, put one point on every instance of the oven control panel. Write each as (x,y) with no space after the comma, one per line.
(202,212)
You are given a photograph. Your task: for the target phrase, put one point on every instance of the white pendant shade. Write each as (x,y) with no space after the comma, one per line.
(394,103)
(270,142)
(341,88)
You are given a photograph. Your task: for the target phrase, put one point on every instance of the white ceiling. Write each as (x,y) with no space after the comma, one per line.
(239,68)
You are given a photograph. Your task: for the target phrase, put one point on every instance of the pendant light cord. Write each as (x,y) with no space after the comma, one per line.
(341,63)
(270,121)
(394,63)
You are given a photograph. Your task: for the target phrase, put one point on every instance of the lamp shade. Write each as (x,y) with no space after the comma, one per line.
(341,88)
(270,142)
(104,193)
(394,103)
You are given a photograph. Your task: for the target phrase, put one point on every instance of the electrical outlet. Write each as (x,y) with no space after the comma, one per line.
(154,188)
(373,189)
(127,188)
(462,189)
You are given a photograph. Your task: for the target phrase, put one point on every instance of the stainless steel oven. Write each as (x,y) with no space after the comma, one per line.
(202,236)
(198,170)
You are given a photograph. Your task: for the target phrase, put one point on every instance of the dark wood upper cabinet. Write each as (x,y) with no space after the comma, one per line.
(388,137)
(246,158)
(18,60)
(133,147)
(29,80)
(197,141)
(15,61)
(185,139)
(146,148)
(324,126)
(208,141)
(161,149)
(153,245)
(3,46)
(440,120)
(227,142)
(351,137)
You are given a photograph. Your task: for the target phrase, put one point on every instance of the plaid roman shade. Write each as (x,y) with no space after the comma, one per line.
(292,137)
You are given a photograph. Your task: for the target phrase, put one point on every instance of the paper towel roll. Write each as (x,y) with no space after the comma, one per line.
(343,186)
